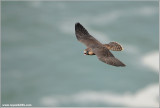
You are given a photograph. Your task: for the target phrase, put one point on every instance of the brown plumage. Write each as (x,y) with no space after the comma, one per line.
(114,46)
(94,47)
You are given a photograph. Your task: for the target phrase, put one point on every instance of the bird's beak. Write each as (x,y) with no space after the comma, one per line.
(85,53)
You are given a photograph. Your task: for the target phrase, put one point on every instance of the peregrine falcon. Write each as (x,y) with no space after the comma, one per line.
(94,47)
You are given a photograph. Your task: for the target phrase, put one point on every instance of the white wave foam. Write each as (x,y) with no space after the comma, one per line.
(50,101)
(152,60)
(146,97)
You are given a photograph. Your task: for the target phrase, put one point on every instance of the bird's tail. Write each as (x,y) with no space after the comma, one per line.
(114,46)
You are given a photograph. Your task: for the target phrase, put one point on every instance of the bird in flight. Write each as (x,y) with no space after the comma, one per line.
(94,47)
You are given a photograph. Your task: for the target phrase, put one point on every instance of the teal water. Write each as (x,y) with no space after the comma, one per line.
(43,63)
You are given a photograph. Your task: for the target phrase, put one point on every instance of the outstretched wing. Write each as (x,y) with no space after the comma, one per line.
(107,57)
(112,61)
(84,37)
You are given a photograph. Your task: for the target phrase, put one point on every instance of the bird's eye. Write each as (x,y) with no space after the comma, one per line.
(87,52)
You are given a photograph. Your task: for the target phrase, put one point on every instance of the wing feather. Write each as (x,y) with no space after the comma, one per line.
(112,61)
(84,37)
(108,58)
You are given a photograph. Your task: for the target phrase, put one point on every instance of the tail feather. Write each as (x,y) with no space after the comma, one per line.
(114,46)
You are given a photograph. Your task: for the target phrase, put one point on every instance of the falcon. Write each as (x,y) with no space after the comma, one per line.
(94,47)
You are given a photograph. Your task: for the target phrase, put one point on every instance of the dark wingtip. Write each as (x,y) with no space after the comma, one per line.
(78,24)
(80,29)
(123,65)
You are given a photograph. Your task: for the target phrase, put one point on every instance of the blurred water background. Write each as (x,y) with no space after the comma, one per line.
(43,63)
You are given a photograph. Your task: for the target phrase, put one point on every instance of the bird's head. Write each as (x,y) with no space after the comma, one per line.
(86,52)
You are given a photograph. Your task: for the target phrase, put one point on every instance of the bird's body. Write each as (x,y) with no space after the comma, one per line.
(94,47)
(114,46)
